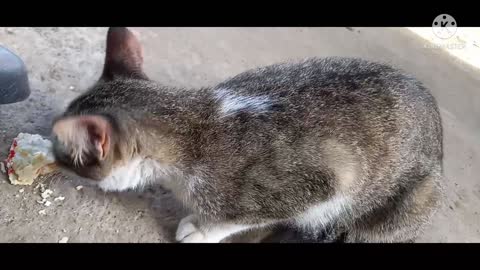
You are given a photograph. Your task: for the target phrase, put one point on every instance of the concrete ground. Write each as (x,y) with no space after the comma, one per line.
(64,61)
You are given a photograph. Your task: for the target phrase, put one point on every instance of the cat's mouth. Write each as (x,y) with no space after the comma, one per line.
(119,179)
(73,175)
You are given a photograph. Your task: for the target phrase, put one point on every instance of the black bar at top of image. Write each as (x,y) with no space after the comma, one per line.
(248,14)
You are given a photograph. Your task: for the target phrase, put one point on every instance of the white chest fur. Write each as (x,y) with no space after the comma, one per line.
(137,173)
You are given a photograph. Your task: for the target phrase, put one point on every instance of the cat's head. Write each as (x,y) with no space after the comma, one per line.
(88,143)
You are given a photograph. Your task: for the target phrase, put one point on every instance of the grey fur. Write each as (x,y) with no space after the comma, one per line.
(272,165)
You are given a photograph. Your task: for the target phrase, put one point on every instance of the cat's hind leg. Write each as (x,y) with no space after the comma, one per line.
(404,217)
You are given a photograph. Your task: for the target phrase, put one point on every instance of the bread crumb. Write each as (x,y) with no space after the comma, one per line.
(41,186)
(42,212)
(21,190)
(46,194)
(60,198)
(63,240)
(17,196)
(48,203)
(79,187)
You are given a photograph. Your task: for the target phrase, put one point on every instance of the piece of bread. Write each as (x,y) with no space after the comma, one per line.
(30,156)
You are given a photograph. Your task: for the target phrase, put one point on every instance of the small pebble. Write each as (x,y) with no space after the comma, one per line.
(79,187)
(42,212)
(21,190)
(63,240)
(17,196)
(42,201)
(71,87)
(48,203)
(2,167)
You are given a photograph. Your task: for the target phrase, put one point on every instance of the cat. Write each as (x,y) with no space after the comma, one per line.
(332,144)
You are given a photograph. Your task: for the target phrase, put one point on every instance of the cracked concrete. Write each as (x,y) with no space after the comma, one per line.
(63,62)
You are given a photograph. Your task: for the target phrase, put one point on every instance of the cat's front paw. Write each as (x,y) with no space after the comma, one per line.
(189,232)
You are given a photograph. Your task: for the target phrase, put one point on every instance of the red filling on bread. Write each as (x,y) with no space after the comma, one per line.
(10,156)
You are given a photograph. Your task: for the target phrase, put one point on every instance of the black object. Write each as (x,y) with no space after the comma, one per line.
(14,86)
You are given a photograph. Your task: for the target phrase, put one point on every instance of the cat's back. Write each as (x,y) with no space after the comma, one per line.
(352,101)
(320,76)
(324,89)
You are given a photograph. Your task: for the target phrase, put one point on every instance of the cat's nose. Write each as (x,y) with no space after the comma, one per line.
(14,86)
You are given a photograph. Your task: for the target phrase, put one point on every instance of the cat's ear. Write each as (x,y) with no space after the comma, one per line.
(123,56)
(84,137)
